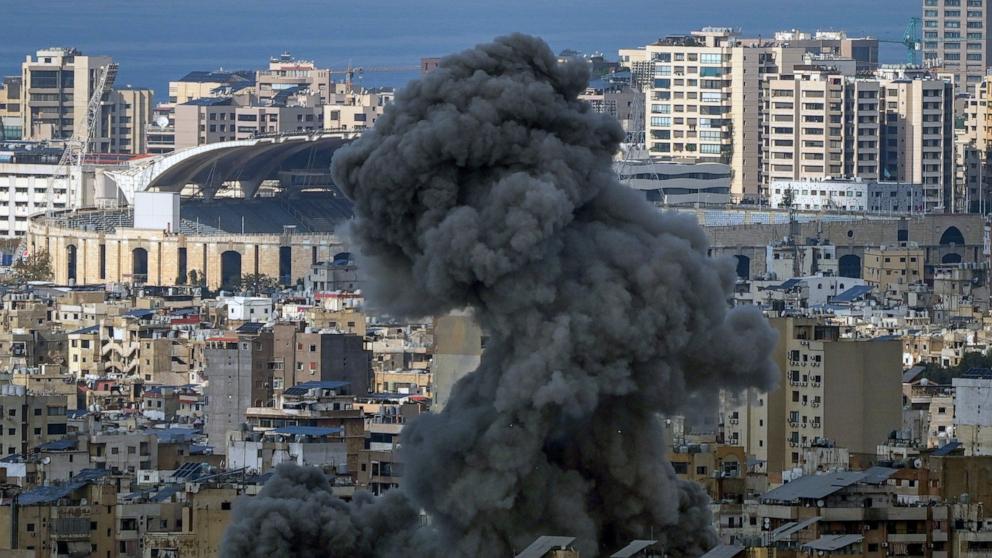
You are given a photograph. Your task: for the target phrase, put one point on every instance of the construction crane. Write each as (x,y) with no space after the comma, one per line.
(78,146)
(912,39)
(352,71)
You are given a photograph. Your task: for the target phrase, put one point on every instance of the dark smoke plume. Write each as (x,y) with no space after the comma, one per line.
(489,185)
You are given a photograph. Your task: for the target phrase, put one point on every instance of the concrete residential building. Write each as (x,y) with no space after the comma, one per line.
(57,86)
(30,420)
(347,110)
(820,124)
(214,119)
(10,108)
(327,356)
(848,195)
(458,345)
(955,39)
(918,137)
(704,101)
(285,72)
(894,267)
(239,377)
(972,421)
(705,96)
(24,191)
(842,390)
(125,126)
(196,85)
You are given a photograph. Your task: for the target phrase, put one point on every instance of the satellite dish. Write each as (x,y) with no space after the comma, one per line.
(162,121)
(917,463)
(46,460)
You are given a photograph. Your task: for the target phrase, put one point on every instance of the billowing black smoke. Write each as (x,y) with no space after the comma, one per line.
(488,185)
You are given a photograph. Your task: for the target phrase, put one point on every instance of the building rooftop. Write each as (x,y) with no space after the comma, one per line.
(215,77)
(815,487)
(829,543)
(543,545)
(315,431)
(210,102)
(852,294)
(302,389)
(724,551)
(632,549)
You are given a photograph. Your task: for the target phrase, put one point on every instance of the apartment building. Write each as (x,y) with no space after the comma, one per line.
(26,189)
(285,72)
(10,108)
(819,125)
(890,268)
(972,422)
(706,94)
(955,39)
(328,356)
(918,137)
(57,86)
(125,123)
(239,376)
(704,102)
(199,84)
(347,110)
(843,390)
(56,90)
(216,119)
(30,420)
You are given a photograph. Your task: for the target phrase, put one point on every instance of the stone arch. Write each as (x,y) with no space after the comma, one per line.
(849,265)
(139,265)
(71,255)
(952,237)
(285,265)
(230,268)
(743,266)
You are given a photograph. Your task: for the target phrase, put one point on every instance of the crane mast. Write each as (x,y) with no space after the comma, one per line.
(76,148)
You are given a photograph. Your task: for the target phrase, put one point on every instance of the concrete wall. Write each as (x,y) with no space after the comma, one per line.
(259,253)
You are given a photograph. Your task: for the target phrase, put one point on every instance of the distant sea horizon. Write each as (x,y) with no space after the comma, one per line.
(158,42)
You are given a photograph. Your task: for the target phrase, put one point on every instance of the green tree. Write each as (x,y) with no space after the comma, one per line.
(34,267)
(255,284)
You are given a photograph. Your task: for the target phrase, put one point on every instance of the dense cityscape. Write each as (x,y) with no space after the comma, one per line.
(185,305)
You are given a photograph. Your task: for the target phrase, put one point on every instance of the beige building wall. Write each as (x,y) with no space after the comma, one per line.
(128,122)
(58,82)
(259,253)
(841,390)
(705,100)
(457,352)
(887,266)
(185,91)
(919,137)
(819,125)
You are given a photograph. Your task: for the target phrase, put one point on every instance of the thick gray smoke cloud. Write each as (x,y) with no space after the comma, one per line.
(489,185)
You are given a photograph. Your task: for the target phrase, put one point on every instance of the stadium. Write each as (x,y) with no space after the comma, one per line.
(212,214)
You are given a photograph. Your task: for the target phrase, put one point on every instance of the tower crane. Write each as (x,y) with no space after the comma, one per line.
(78,146)
(912,39)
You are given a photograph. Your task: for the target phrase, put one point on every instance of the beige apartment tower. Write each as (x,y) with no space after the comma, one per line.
(56,87)
(704,101)
(842,390)
(820,125)
(955,39)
